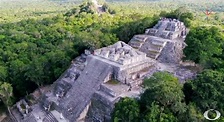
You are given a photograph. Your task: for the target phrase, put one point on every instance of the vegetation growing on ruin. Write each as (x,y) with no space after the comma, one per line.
(112,82)
(37,45)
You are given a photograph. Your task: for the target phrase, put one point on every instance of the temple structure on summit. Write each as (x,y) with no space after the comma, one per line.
(170,31)
(168,28)
(128,63)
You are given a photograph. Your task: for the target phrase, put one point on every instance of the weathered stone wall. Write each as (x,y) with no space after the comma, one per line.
(171,53)
(100,109)
(107,91)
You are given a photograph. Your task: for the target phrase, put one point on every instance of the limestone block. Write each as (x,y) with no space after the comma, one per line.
(121,61)
(112,51)
(97,52)
(120,50)
(127,47)
(117,45)
(134,76)
(125,62)
(105,53)
(87,52)
(147,31)
(111,57)
(116,57)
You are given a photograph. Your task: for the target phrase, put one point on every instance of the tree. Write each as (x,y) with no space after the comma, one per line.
(204,46)
(207,90)
(3,73)
(126,110)
(164,89)
(87,7)
(127,30)
(35,71)
(157,113)
(179,11)
(6,94)
(192,114)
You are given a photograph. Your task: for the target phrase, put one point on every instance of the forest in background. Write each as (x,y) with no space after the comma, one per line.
(38,49)
(12,11)
(37,9)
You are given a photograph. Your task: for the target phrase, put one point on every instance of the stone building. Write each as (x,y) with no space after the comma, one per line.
(168,29)
(127,62)
(96,80)
(87,80)
(166,38)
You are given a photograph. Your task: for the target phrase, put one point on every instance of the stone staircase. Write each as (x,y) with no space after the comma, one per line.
(137,41)
(161,28)
(8,119)
(87,83)
(151,45)
(30,118)
(153,48)
(16,113)
(50,118)
(104,97)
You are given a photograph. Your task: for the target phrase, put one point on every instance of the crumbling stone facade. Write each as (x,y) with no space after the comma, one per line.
(168,28)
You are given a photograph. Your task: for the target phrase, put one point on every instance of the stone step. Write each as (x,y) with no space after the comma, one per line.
(154,50)
(16,113)
(152,54)
(50,118)
(135,44)
(107,91)
(158,43)
(8,119)
(105,98)
(30,118)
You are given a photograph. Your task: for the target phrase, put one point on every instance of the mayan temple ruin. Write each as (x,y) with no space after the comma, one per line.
(95,81)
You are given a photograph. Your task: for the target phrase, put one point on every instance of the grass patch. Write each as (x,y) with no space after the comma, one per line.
(23,106)
(112,82)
